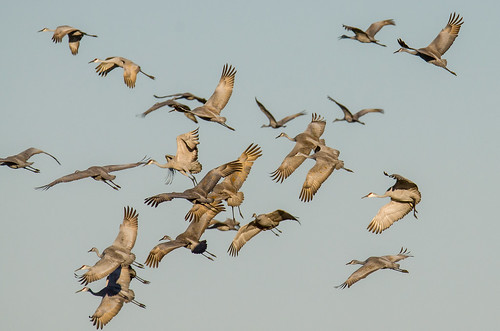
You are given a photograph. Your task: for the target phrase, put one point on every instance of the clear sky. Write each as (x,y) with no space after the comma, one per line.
(438,130)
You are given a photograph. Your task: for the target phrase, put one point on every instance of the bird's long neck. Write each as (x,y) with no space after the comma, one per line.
(159,164)
(358,262)
(347,37)
(286,136)
(410,51)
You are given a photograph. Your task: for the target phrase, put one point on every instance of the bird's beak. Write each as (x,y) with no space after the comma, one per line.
(83,289)
(40,30)
(366,196)
(399,50)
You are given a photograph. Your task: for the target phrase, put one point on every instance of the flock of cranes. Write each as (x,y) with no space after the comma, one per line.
(224,183)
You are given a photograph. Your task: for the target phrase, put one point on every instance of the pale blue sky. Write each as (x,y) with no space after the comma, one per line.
(438,130)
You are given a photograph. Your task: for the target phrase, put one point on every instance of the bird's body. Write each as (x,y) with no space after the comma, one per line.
(367,36)
(373,264)
(189,238)
(210,111)
(305,142)
(327,160)
(186,159)
(130,69)
(20,160)
(185,95)
(74,36)
(199,193)
(272,121)
(404,196)
(114,295)
(99,173)
(260,223)
(351,118)
(436,49)
(118,254)
(229,188)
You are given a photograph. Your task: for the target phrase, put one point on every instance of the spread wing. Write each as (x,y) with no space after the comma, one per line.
(402,183)
(223,91)
(366,111)
(316,127)
(315,177)
(111,305)
(287,119)
(388,214)
(403,254)
(245,233)
(118,167)
(247,158)
(171,103)
(266,112)
(128,229)
(280,215)
(105,266)
(375,27)
(359,274)
(353,29)
(160,250)
(61,31)
(290,163)
(346,111)
(187,146)
(447,36)
(68,178)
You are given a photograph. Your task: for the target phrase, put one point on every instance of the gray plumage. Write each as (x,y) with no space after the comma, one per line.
(260,223)
(130,69)
(373,264)
(351,118)
(114,295)
(367,36)
(305,142)
(186,158)
(174,106)
(210,111)
(199,193)
(99,173)
(74,36)
(189,238)
(272,121)
(21,160)
(404,196)
(327,160)
(439,46)
(185,95)
(230,224)
(118,254)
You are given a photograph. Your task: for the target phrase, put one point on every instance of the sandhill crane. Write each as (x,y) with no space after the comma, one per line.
(118,254)
(327,160)
(185,160)
(367,36)
(99,173)
(74,36)
(21,160)
(174,105)
(351,118)
(230,224)
(210,111)
(199,193)
(130,69)
(439,46)
(305,142)
(133,273)
(185,95)
(114,295)
(404,196)
(272,121)
(229,188)
(373,264)
(189,238)
(260,223)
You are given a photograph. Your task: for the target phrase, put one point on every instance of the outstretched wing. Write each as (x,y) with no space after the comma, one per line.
(287,119)
(447,36)
(388,214)
(118,167)
(402,183)
(128,229)
(103,68)
(105,266)
(68,178)
(403,254)
(315,177)
(247,158)
(266,112)
(245,233)
(353,29)
(223,91)
(160,250)
(346,111)
(375,27)
(171,103)
(359,274)
(187,146)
